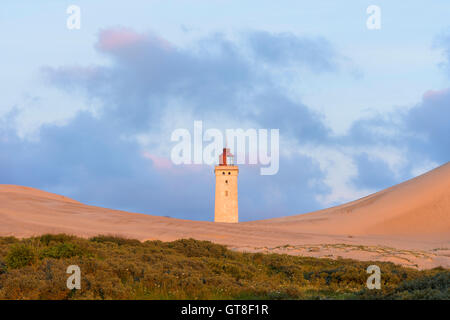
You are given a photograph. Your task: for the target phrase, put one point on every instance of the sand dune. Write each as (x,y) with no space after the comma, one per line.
(418,207)
(407,224)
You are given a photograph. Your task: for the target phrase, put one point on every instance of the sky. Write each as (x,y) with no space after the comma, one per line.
(89,112)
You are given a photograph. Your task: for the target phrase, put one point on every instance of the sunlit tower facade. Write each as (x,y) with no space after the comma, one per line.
(226,201)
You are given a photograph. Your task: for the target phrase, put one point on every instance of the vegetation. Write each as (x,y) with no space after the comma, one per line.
(119,268)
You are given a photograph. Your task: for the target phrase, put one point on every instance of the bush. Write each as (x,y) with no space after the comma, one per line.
(119,268)
(429,287)
(47,239)
(8,240)
(115,239)
(3,267)
(195,248)
(19,256)
(62,250)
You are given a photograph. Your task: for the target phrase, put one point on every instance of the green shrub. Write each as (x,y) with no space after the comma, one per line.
(195,248)
(47,239)
(19,255)
(120,268)
(8,240)
(429,287)
(3,267)
(115,239)
(61,250)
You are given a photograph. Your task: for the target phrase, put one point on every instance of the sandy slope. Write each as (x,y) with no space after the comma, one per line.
(417,207)
(408,224)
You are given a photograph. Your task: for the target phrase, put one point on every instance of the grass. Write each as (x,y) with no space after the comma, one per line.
(119,268)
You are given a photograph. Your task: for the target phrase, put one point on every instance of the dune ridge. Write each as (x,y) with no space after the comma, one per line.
(417,207)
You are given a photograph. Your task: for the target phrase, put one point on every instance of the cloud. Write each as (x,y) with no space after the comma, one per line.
(213,78)
(373,173)
(288,50)
(429,120)
(101,159)
(442,42)
(421,134)
(88,159)
(118,156)
(112,40)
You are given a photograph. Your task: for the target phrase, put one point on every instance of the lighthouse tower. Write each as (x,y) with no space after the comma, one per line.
(226,204)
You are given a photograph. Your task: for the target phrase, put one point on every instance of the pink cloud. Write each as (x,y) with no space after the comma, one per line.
(158,162)
(111,39)
(435,94)
(166,165)
(120,38)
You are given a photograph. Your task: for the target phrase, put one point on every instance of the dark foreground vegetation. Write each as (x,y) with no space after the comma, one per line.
(118,268)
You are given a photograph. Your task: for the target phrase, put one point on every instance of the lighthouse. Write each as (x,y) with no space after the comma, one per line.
(226,202)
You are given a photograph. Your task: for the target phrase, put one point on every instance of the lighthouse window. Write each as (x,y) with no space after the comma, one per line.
(229,173)
(226,193)
(223,172)
(226,181)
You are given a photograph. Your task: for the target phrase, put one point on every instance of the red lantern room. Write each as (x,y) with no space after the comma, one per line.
(226,158)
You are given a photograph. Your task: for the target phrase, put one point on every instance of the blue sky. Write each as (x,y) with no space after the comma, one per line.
(87,116)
